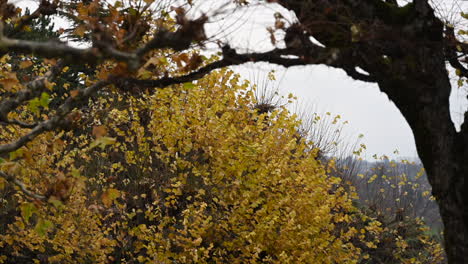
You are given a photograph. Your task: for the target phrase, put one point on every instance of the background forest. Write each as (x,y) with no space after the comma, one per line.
(203,169)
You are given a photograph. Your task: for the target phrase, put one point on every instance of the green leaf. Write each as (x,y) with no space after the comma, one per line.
(113,193)
(75,173)
(132,11)
(145,74)
(16,154)
(33,105)
(45,100)
(43,226)
(27,210)
(102,142)
(189,85)
(55,202)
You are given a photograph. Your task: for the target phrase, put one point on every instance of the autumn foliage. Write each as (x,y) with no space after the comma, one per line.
(192,172)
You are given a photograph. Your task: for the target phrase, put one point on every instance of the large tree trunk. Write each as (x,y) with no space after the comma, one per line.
(423,98)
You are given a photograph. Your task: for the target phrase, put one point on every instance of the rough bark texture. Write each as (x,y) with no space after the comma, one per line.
(439,148)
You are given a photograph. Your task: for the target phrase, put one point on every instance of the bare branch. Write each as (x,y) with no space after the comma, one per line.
(22,187)
(56,120)
(452,45)
(33,89)
(358,76)
(18,123)
(284,57)
(178,40)
(45,8)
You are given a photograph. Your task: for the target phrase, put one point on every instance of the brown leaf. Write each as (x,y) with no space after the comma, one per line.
(10,81)
(195,61)
(60,189)
(74,93)
(103,74)
(99,131)
(120,70)
(279,24)
(181,19)
(25,64)
(52,62)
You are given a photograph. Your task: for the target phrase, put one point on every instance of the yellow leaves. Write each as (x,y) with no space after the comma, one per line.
(355,33)
(370,245)
(141,259)
(144,74)
(372,178)
(27,210)
(205,174)
(43,226)
(19,153)
(109,196)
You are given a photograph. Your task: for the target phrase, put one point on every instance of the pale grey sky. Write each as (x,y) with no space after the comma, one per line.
(368,111)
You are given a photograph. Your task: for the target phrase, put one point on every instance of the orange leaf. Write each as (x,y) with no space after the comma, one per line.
(99,131)
(50,61)
(74,93)
(25,64)
(10,81)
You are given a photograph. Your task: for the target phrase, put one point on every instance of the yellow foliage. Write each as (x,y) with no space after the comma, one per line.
(193,175)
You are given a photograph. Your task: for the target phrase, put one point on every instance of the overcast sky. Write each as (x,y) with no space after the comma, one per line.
(322,89)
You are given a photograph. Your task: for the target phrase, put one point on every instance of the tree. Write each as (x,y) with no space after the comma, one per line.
(404,49)
(195,173)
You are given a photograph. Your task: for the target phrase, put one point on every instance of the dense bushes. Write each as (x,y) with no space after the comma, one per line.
(191,174)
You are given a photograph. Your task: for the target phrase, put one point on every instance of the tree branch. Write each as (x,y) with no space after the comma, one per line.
(452,45)
(230,58)
(56,120)
(33,89)
(351,72)
(22,187)
(178,40)
(18,123)
(45,8)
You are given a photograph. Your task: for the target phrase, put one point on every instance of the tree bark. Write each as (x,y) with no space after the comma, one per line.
(423,98)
